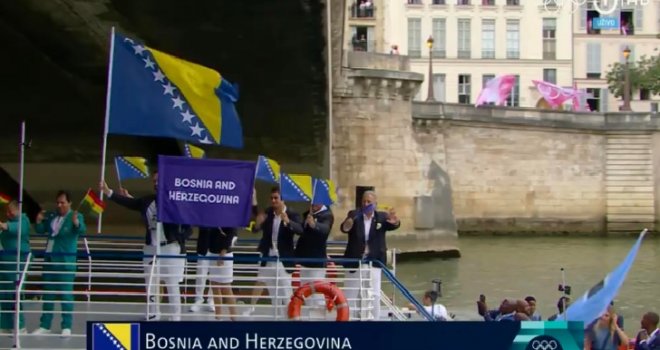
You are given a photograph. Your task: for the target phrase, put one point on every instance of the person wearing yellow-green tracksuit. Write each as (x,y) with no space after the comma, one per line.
(10,243)
(63,228)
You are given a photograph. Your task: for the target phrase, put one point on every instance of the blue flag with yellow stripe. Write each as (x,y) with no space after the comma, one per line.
(268,170)
(153,93)
(131,168)
(296,188)
(115,336)
(324,192)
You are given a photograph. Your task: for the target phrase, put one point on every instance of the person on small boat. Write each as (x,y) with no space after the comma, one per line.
(535,314)
(605,334)
(648,337)
(436,310)
(562,304)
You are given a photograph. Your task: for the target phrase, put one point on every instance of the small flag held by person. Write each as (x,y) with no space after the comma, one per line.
(91,204)
(191,151)
(4,199)
(131,168)
(268,170)
(325,192)
(297,188)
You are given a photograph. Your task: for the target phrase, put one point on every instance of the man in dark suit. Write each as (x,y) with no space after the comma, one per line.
(649,337)
(312,244)
(366,229)
(278,224)
(170,240)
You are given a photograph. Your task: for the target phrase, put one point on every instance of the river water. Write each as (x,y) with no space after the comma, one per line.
(515,267)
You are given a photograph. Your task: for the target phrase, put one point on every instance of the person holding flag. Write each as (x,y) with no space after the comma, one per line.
(63,227)
(366,229)
(8,268)
(313,244)
(172,241)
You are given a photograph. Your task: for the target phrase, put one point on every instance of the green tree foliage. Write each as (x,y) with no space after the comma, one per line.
(644,74)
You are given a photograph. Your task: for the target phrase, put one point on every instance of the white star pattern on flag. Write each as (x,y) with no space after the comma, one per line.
(178,100)
(169,89)
(298,189)
(110,337)
(187,116)
(196,130)
(148,63)
(139,49)
(159,76)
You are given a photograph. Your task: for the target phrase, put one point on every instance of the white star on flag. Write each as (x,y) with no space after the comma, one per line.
(169,89)
(178,102)
(129,40)
(196,130)
(159,76)
(187,116)
(148,63)
(139,49)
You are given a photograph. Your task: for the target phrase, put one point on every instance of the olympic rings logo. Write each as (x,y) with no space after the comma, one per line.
(544,342)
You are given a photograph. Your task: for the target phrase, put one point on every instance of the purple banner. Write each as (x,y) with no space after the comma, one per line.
(205,192)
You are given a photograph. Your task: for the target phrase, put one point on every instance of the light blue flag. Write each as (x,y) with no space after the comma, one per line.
(595,301)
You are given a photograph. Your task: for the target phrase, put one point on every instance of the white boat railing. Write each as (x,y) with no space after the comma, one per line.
(110,285)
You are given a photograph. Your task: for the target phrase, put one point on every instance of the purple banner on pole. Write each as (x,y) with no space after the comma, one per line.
(205,192)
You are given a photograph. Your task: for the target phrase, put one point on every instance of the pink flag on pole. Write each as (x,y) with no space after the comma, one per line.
(497,90)
(553,94)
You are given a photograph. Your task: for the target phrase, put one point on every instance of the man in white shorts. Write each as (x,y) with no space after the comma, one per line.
(168,240)
(279,224)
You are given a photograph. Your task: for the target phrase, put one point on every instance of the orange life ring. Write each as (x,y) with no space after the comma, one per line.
(295,277)
(334,298)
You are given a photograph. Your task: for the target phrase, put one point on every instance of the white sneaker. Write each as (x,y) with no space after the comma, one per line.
(210,306)
(197,306)
(66,332)
(249,311)
(41,331)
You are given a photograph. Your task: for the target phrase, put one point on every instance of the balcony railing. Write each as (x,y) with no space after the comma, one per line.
(488,54)
(513,55)
(512,2)
(439,53)
(464,54)
(414,53)
(362,11)
(363,45)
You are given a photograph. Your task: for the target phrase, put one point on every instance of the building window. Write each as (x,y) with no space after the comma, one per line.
(592,16)
(464,88)
(362,38)
(644,94)
(463,2)
(414,2)
(514,98)
(626,22)
(593,60)
(550,75)
(439,89)
(438,2)
(439,37)
(488,38)
(488,2)
(549,38)
(464,38)
(512,2)
(415,37)
(512,39)
(362,9)
(594,100)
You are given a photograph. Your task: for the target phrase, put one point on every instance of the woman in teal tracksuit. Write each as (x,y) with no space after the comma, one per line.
(9,241)
(63,228)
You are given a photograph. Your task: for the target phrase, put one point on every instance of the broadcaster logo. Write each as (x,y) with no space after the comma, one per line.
(604,7)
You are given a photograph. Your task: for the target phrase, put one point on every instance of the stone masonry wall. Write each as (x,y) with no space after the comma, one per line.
(517,179)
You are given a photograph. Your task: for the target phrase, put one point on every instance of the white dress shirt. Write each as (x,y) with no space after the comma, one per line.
(367,230)
(277,221)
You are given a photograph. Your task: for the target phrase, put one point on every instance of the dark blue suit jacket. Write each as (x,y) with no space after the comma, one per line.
(649,344)
(284,236)
(313,241)
(377,242)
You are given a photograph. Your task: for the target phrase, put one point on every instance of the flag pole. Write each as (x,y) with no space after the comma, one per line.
(20,230)
(118,176)
(107,120)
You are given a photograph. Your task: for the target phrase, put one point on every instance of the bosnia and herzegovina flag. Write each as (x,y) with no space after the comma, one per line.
(131,168)
(325,192)
(152,93)
(296,188)
(91,204)
(268,170)
(4,199)
(113,336)
(191,151)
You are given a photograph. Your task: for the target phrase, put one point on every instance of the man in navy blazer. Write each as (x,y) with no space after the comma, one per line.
(279,225)
(649,337)
(366,229)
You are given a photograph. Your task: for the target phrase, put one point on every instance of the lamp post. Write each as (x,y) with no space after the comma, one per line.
(429,43)
(626,81)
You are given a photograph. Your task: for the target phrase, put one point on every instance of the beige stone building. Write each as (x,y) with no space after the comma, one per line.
(475,40)
(595,50)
